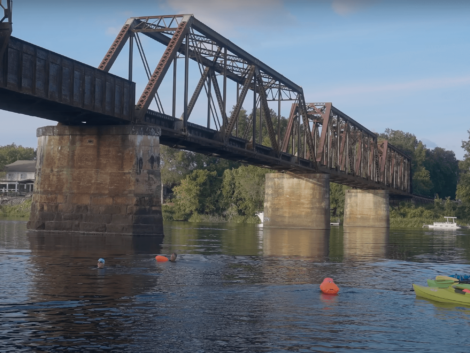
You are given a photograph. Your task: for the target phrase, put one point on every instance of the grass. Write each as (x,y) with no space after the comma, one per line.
(18,211)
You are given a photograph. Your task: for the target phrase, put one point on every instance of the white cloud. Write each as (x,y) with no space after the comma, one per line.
(347,7)
(112,31)
(228,15)
(416,85)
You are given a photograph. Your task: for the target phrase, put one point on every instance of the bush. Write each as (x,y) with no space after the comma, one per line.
(22,210)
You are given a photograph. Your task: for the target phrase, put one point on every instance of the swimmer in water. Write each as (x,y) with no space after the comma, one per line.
(100,263)
(173,257)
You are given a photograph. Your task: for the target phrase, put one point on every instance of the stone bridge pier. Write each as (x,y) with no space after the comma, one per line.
(366,208)
(300,201)
(98,180)
(303,202)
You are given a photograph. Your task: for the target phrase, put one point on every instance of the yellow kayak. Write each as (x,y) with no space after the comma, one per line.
(446,278)
(443,295)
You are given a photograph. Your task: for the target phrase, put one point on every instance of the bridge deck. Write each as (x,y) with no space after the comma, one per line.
(35,81)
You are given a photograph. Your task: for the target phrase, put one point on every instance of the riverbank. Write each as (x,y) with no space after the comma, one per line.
(20,210)
(403,216)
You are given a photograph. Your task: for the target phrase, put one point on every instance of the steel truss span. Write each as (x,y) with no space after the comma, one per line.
(318,138)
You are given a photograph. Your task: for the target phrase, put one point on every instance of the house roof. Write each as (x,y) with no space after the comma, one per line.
(21,166)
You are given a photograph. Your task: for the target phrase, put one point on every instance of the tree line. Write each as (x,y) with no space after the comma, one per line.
(208,188)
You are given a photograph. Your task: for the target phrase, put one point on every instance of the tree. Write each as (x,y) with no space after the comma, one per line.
(243,190)
(12,153)
(405,141)
(463,187)
(443,170)
(408,143)
(337,196)
(199,193)
(176,164)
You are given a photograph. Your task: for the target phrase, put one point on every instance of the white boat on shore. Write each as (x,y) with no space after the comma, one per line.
(335,223)
(444,225)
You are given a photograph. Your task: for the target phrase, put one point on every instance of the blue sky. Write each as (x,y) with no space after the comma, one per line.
(397,64)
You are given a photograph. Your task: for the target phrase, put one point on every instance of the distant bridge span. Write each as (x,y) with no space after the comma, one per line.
(319,138)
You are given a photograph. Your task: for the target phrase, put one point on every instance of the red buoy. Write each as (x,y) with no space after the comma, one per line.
(161,258)
(328,286)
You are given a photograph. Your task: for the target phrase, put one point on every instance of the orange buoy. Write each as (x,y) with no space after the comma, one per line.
(161,258)
(329,287)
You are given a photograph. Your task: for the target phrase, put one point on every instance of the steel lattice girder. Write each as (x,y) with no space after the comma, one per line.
(349,147)
(343,143)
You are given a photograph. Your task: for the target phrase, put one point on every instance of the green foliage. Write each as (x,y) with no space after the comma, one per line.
(403,140)
(176,164)
(18,211)
(12,153)
(203,196)
(199,193)
(408,215)
(443,170)
(463,187)
(435,172)
(337,192)
(243,190)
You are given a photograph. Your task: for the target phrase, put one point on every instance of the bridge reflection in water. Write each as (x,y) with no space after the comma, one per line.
(354,243)
(296,242)
(365,244)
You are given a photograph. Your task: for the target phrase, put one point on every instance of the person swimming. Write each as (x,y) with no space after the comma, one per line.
(101,263)
(161,258)
(173,257)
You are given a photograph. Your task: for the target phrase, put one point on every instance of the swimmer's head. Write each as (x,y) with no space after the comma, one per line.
(173,257)
(100,263)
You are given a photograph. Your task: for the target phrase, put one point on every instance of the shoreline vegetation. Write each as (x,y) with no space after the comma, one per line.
(200,188)
(405,215)
(20,211)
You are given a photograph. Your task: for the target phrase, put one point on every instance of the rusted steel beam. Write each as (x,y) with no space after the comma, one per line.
(162,67)
(117,45)
(197,91)
(342,159)
(218,95)
(383,159)
(290,124)
(303,113)
(357,170)
(370,166)
(238,106)
(324,131)
(5,28)
(267,117)
(199,86)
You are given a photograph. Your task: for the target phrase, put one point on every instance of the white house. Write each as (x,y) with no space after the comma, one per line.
(19,177)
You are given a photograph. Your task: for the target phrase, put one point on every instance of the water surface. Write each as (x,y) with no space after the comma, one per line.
(234,288)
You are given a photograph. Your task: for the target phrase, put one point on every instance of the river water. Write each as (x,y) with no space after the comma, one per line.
(234,288)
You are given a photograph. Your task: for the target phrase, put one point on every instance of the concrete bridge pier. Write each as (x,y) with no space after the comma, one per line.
(98,179)
(366,208)
(301,201)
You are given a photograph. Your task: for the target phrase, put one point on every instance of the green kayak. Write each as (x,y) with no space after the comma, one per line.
(443,295)
(446,284)
(440,283)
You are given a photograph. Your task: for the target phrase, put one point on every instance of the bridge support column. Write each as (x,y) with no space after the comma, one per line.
(101,179)
(366,208)
(301,201)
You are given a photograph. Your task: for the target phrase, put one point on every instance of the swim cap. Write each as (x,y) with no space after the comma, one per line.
(101,260)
